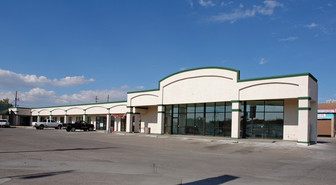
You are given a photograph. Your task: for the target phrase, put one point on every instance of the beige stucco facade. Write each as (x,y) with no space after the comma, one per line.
(146,109)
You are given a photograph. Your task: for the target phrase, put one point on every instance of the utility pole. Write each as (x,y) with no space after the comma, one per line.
(96,99)
(16,99)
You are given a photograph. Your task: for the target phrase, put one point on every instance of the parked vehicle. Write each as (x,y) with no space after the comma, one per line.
(4,123)
(80,125)
(47,124)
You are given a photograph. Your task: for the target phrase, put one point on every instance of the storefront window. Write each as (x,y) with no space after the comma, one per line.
(262,119)
(213,119)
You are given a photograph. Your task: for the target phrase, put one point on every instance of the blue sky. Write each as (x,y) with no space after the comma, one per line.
(56,52)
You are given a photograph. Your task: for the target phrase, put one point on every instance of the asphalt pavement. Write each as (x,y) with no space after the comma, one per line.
(29,156)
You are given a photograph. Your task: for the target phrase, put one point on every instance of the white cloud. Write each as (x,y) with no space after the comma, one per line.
(15,80)
(183,68)
(40,97)
(262,61)
(288,39)
(206,3)
(33,97)
(90,95)
(226,4)
(124,87)
(240,13)
(312,25)
(191,3)
(140,87)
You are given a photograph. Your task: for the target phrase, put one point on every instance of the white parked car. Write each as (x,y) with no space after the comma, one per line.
(4,123)
(47,124)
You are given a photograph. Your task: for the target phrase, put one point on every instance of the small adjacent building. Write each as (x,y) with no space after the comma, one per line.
(209,101)
(326,119)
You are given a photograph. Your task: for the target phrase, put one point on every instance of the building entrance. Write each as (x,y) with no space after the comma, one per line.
(123,124)
(101,123)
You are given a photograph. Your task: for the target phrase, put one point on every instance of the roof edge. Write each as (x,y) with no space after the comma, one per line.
(194,69)
(281,76)
(150,90)
(80,104)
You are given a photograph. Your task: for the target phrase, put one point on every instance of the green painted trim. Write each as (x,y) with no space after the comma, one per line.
(235,138)
(160,105)
(129,107)
(235,101)
(194,69)
(129,112)
(305,98)
(80,104)
(137,113)
(161,112)
(282,76)
(236,110)
(234,70)
(304,108)
(150,90)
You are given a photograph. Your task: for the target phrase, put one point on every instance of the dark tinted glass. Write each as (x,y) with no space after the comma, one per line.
(210,107)
(274,106)
(191,108)
(200,107)
(220,107)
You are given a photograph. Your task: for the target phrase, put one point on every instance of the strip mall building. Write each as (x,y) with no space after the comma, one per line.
(210,101)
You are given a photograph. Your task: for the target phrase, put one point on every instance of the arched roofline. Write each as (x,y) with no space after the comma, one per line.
(80,104)
(58,109)
(145,95)
(43,110)
(95,107)
(74,108)
(118,106)
(223,68)
(200,68)
(269,83)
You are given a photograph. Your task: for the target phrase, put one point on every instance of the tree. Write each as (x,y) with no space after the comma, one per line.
(5,103)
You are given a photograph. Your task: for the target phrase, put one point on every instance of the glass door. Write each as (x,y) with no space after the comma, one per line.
(123,124)
(100,123)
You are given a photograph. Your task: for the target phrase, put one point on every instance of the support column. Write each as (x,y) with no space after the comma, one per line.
(129,119)
(94,119)
(136,120)
(31,120)
(333,126)
(50,116)
(84,115)
(17,120)
(38,118)
(115,125)
(108,121)
(236,117)
(304,110)
(161,117)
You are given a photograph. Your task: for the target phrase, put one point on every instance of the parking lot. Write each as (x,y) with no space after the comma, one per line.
(29,156)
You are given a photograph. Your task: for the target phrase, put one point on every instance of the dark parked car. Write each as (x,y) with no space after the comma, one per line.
(80,125)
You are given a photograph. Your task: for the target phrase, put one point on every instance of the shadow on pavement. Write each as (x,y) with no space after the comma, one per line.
(213,180)
(60,150)
(40,175)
